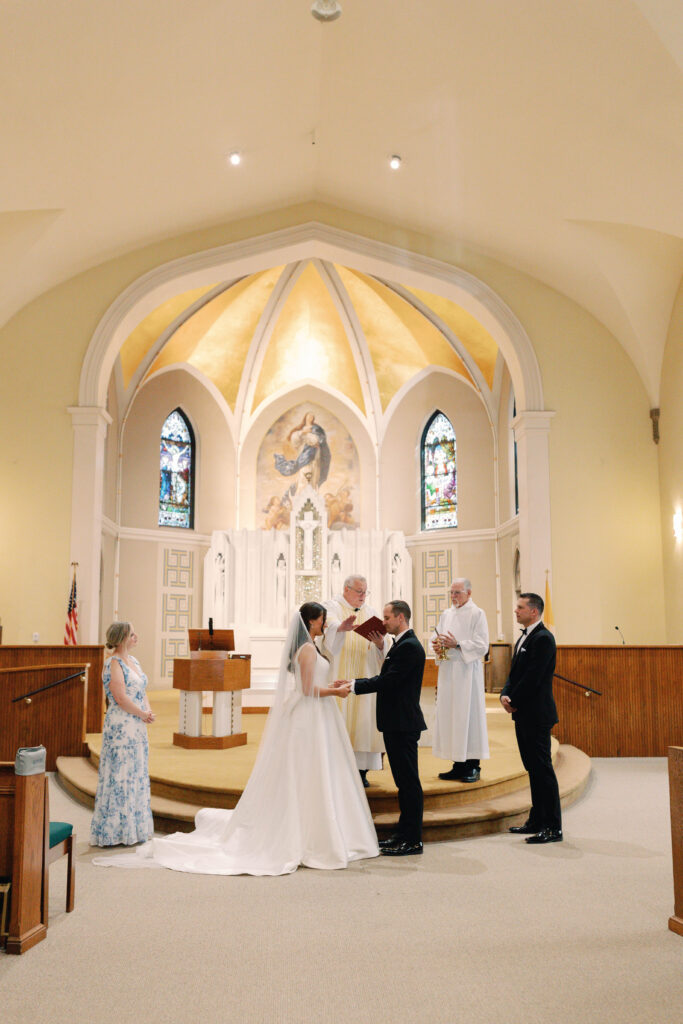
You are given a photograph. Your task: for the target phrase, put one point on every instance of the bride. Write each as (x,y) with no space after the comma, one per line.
(304,802)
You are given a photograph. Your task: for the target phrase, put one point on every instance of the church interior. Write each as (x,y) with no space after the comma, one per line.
(292,293)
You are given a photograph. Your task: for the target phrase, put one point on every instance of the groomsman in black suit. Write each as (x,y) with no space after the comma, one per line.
(528,697)
(400,720)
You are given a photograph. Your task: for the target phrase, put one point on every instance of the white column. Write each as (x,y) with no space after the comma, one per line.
(90,429)
(190,713)
(532,430)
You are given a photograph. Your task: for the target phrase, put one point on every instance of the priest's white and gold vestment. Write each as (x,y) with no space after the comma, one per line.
(356,658)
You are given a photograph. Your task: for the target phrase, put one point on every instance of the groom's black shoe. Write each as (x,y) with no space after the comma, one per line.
(523,830)
(392,840)
(548,835)
(401,849)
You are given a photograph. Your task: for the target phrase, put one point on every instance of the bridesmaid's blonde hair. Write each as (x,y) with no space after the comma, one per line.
(116,634)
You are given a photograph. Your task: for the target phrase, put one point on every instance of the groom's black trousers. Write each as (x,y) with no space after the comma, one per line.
(401,748)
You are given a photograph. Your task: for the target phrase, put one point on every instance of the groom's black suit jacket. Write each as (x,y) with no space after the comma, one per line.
(398,687)
(530,683)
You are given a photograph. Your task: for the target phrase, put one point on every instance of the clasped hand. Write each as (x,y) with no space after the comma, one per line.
(342,686)
(443,641)
(507,705)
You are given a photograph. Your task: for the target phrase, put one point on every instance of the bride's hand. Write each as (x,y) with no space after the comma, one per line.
(343,689)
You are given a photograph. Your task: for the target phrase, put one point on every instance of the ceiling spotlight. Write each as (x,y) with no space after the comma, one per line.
(235,159)
(395,162)
(326,10)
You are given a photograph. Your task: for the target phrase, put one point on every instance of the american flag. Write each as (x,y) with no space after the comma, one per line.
(71,627)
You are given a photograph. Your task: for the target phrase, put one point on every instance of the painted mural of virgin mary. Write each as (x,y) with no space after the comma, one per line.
(312,462)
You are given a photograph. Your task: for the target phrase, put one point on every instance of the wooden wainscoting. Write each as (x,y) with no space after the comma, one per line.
(18,655)
(54,718)
(640,712)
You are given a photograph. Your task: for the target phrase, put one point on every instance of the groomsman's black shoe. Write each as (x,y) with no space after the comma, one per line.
(523,830)
(472,775)
(548,835)
(391,841)
(364,777)
(401,849)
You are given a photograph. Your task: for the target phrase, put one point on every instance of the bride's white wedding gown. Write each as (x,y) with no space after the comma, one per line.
(304,802)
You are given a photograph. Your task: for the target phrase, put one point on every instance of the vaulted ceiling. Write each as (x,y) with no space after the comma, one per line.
(548,135)
(310,321)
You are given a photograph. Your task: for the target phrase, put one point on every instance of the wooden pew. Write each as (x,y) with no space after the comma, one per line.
(22,828)
(17,655)
(55,717)
(676,798)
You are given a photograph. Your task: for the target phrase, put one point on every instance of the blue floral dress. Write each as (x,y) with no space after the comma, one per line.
(123,812)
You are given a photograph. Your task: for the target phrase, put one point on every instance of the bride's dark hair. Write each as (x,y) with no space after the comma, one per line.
(310,611)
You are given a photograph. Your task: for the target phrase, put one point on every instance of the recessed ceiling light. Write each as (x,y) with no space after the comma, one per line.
(395,162)
(326,10)
(235,159)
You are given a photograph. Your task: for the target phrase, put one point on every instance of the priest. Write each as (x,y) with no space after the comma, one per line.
(356,658)
(460,641)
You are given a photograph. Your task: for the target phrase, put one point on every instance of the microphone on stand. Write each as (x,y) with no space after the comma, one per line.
(621,635)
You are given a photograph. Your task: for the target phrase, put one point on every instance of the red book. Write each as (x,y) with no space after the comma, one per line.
(371,625)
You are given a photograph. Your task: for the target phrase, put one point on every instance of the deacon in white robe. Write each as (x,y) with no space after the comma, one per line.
(460,642)
(356,658)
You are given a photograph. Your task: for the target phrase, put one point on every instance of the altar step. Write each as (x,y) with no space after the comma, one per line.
(454,812)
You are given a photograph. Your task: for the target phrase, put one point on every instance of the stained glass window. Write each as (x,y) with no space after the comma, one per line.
(439,479)
(176,472)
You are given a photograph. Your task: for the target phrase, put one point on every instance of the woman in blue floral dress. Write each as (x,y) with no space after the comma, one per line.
(123,812)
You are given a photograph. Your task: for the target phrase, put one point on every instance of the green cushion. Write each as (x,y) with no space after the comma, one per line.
(59,831)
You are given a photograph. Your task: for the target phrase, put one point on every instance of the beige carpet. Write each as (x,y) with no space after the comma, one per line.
(478,931)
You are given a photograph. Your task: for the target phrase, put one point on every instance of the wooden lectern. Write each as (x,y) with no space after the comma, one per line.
(214,666)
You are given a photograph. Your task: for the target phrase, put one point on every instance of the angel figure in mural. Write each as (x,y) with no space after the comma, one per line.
(339,508)
(277,513)
(312,463)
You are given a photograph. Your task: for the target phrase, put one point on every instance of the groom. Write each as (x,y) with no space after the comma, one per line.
(400,719)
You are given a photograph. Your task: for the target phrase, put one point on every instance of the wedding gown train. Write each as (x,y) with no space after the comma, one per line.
(304,802)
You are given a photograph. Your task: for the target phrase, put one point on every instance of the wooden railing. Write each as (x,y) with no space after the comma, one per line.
(640,712)
(19,655)
(54,717)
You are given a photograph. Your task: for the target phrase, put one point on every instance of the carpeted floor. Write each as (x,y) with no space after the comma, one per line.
(478,931)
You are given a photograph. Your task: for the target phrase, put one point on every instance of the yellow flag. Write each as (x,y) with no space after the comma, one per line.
(548,613)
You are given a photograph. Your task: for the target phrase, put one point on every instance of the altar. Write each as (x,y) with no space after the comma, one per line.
(255,579)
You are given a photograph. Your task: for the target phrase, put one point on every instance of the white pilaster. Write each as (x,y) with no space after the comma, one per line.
(90,429)
(532,431)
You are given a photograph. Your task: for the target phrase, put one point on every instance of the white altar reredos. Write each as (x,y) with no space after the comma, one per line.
(254,579)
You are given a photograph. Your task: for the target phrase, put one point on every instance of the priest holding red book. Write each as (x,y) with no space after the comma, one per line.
(356,656)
